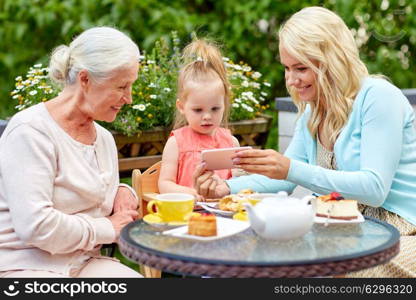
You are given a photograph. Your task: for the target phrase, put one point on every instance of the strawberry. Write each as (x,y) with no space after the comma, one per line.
(336,196)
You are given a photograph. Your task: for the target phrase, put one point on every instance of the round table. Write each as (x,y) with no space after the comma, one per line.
(324,251)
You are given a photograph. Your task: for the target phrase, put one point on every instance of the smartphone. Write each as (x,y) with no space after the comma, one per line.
(218,159)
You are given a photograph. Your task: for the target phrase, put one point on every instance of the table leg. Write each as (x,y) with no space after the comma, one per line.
(149,272)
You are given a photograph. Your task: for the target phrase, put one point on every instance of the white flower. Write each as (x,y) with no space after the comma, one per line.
(247,95)
(238,100)
(151,62)
(15,96)
(153,96)
(225,59)
(263,25)
(256,75)
(38,65)
(245,83)
(247,108)
(264,94)
(32,93)
(246,69)
(167,90)
(152,85)
(140,107)
(256,85)
(267,84)
(18,78)
(236,105)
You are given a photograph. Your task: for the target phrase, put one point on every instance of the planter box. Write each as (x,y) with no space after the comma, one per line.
(142,151)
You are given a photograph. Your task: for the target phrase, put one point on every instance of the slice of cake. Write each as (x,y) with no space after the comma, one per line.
(334,206)
(203,225)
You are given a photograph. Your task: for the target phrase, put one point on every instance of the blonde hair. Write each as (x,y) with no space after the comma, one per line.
(202,61)
(99,50)
(320,39)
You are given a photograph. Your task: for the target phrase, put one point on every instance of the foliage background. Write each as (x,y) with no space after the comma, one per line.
(29,29)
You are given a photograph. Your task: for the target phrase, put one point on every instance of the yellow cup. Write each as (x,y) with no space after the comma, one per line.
(172,207)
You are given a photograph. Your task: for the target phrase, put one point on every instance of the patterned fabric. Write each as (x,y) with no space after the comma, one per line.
(324,157)
(404,264)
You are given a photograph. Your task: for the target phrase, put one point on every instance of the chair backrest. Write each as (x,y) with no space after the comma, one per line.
(146,185)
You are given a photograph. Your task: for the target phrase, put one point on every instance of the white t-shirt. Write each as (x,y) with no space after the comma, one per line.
(55,194)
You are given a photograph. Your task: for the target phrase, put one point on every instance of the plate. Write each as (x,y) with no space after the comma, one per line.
(225,228)
(212,207)
(323,220)
(156,220)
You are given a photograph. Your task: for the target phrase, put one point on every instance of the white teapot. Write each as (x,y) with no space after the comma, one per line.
(282,217)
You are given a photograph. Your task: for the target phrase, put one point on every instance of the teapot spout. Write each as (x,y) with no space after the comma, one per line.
(256,222)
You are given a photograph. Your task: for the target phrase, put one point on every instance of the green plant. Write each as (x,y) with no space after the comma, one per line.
(154,92)
(34,88)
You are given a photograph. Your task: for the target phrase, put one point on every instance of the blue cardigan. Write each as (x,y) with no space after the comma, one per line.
(375,154)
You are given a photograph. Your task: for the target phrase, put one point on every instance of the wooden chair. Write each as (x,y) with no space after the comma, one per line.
(146,187)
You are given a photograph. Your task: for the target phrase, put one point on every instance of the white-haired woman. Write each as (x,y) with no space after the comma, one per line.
(60,197)
(355,134)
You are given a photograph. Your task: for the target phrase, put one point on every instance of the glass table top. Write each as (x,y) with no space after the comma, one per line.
(323,243)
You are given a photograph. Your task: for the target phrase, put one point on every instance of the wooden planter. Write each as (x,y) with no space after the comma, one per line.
(142,151)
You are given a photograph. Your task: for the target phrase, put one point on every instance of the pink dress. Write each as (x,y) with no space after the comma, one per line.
(190,145)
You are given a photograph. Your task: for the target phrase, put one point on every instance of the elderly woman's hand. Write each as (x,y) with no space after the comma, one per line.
(208,184)
(265,162)
(122,218)
(124,200)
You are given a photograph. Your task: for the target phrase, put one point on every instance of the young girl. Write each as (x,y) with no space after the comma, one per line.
(203,106)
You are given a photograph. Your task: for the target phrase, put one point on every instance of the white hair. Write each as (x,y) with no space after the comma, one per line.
(99,50)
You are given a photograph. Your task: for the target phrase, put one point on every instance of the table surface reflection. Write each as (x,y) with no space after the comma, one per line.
(335,245)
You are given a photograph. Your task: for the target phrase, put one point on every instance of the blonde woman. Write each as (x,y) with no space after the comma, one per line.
(355,134)
(60,195)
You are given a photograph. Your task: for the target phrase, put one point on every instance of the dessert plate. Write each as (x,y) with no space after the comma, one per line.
(213,208)
(156,221)
(225,228)
(323,220)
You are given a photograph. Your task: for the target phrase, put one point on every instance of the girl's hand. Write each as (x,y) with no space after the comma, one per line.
(265,162)
(124,200)
(209,185)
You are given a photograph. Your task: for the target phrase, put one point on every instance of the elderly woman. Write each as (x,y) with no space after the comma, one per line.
(60,197)
(355,134)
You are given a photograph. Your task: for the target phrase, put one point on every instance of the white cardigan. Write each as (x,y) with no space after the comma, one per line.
(55,194)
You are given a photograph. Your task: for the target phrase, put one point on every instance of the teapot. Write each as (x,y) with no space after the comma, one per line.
(282,217)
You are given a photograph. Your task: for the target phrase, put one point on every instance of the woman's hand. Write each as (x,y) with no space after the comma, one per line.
(208,184)
(124,200)
(265,162)
(122,218)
